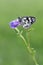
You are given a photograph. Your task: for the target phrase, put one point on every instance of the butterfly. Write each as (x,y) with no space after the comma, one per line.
(26,21)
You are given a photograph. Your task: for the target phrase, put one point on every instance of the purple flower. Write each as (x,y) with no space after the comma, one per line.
(14,23)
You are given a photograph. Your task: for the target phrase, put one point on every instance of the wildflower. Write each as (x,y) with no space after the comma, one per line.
(14,23)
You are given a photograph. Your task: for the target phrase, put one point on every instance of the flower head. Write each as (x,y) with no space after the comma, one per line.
(14,23)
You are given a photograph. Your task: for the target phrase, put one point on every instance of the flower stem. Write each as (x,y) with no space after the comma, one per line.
(30,50)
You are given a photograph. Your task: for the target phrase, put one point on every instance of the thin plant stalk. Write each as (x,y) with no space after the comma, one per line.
(30,50)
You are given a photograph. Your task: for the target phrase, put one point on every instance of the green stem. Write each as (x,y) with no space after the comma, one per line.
(28,46)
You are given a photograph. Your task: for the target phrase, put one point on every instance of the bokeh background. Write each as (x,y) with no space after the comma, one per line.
(12,48)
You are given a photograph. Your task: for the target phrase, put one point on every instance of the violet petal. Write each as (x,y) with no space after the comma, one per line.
(14,23)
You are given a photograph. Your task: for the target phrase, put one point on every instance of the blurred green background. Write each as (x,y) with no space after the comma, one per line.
(12,48)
